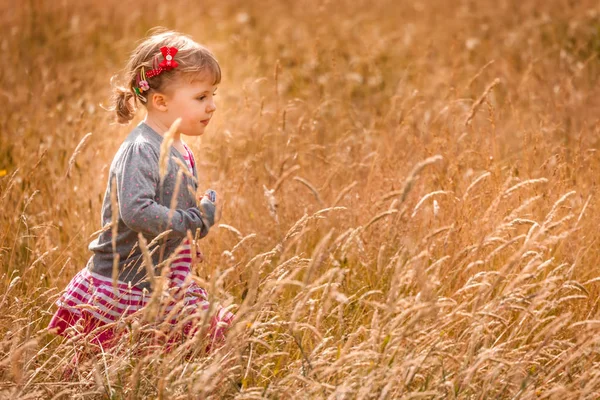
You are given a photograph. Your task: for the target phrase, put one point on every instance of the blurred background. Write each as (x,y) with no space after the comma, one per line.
(460,138)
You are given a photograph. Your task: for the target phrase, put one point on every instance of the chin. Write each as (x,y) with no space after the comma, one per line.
(194,133)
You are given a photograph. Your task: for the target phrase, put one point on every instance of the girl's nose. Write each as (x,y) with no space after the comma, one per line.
(211,107)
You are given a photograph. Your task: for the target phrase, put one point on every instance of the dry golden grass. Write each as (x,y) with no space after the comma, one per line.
(410,197)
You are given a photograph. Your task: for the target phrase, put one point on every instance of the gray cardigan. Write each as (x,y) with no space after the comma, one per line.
(144,206)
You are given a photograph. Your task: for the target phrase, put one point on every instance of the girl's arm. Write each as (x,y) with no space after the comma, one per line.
(137,182)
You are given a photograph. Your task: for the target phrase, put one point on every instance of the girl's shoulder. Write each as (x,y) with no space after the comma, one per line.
(140,148)
(143,135)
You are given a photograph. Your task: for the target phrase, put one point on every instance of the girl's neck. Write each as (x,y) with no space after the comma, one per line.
(160,128)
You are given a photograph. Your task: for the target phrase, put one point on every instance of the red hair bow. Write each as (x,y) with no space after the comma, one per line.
(168,62)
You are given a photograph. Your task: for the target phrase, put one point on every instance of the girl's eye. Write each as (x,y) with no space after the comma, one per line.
(203,97)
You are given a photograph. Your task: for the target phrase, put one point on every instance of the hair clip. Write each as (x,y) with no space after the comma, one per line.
(142,81)
(144,86)
(141,85)
(167,64)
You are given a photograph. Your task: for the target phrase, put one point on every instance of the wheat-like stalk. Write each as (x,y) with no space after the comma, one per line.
(314,190)
(410,180)
(480,100)
(78,149)
(165,148)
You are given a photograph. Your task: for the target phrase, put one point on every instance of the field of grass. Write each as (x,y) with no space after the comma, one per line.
(411,205)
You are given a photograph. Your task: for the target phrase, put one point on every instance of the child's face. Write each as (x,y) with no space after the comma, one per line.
(193,102)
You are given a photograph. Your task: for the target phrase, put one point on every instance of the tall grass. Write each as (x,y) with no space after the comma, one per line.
(411,206)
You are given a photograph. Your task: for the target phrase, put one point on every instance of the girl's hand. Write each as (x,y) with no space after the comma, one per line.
(218,208)
(212,196)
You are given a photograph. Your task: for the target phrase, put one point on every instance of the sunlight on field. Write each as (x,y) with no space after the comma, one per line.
(410,197)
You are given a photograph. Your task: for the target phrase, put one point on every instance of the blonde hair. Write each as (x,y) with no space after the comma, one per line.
(192,58)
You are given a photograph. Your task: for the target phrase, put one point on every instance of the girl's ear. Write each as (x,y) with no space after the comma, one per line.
(159,101)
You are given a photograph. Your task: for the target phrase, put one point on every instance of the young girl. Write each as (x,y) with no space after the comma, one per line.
(173,77)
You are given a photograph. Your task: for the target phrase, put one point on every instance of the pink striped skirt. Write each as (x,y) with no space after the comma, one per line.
(91,301)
